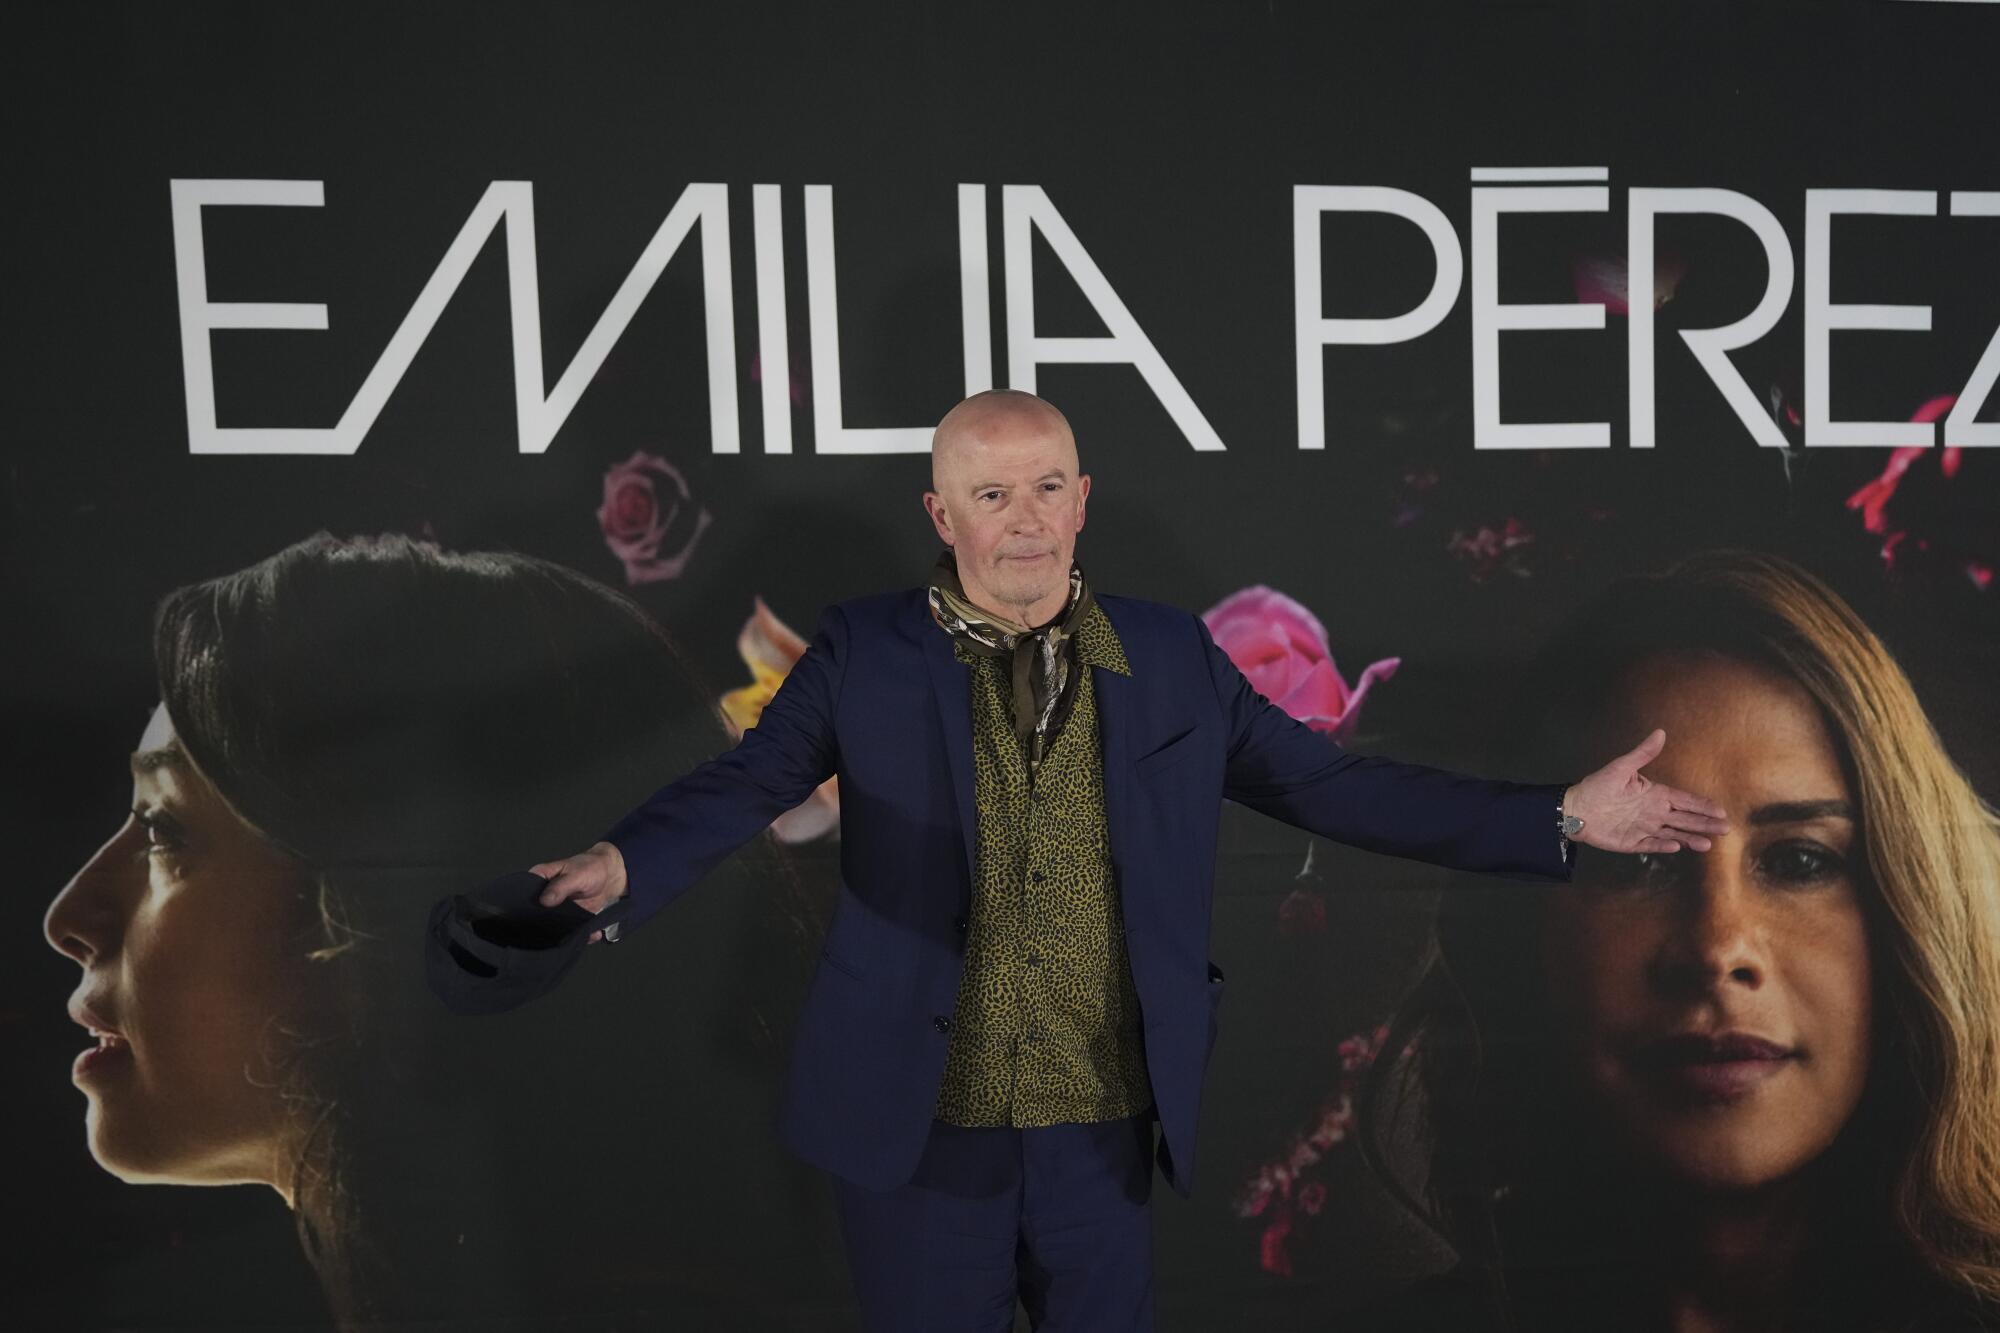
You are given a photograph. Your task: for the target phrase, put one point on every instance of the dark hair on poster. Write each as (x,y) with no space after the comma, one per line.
(402,721)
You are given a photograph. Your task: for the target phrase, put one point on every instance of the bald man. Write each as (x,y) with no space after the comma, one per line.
(1014,1008)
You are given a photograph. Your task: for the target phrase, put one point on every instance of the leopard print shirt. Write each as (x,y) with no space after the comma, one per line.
(1047,1025)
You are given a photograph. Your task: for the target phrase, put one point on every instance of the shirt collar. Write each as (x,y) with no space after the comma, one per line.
(1097,642)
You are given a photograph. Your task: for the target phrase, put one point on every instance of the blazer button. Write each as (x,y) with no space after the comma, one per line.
(941,1023)
(960,924)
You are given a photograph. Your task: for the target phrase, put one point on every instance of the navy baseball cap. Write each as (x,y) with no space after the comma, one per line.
(496,947)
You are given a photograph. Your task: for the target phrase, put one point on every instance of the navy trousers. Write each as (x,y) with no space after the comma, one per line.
(1059,1218)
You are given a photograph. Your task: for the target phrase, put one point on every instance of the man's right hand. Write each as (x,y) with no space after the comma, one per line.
(594,878)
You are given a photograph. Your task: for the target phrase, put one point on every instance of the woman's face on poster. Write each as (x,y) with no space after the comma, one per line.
(180,923)
(1716,1005)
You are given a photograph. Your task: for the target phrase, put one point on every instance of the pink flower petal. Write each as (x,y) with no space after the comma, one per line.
(1875,497)
(1375,671)
(1262,653)
(768,641)
(1272,1254)
(1265,604)
(1319,697)
(1282,650)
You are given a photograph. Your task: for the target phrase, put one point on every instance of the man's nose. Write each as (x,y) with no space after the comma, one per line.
(1717,936)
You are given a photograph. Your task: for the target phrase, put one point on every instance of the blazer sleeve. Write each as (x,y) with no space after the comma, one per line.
(1277,765)
(683,830)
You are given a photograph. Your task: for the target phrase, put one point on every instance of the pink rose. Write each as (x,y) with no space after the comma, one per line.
(770,647)
(639,520)
(1282,649)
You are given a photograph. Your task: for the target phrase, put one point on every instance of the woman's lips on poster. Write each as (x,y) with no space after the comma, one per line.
(1720,1067)
(112,1050)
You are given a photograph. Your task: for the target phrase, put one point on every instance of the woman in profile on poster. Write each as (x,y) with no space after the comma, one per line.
(1752,1088)
(347,731)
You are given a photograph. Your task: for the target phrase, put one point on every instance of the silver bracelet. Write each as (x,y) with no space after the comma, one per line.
(1566,826)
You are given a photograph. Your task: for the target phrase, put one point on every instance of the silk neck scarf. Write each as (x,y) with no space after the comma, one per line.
(1042,658)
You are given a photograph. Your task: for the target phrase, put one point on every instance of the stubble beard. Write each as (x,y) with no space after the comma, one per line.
(1016,596)
(1020,604)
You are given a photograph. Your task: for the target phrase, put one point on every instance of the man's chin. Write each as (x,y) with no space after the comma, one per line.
(1019,595)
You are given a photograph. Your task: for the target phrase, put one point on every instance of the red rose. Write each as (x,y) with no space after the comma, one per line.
(648,518)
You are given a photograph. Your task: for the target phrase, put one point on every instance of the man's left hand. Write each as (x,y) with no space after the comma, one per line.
(1625,811)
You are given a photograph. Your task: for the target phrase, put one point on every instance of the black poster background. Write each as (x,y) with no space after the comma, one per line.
(1171,145)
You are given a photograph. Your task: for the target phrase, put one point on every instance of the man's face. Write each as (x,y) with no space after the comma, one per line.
(1009,503)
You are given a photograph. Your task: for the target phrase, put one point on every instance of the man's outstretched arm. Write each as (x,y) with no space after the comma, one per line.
(682,831)
(1283,768)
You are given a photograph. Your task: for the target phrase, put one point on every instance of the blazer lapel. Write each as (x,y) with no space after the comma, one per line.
(1114,736)
(951,690)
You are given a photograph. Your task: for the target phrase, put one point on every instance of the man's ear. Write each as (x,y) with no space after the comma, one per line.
(940,518)
(1082,498)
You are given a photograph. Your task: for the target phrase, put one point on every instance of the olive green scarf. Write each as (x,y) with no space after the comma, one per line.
(1043,658)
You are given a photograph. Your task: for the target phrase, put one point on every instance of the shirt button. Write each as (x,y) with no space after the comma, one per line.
(1037,876)
(941,1023)
(1033,958)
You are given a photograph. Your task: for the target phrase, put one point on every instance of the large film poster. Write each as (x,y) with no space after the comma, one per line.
(436,428)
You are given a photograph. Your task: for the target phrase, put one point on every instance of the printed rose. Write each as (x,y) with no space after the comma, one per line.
(1282,649)
(769,647)
(1490,549)
(1901,531)
(651,528)
(1280,1194)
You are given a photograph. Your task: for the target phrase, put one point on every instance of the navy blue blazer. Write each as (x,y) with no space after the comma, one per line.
(880,699)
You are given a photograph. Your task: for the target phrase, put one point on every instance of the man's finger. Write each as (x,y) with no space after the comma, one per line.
(1643,753)
(1697,808)
(557,890)
(1691,822)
